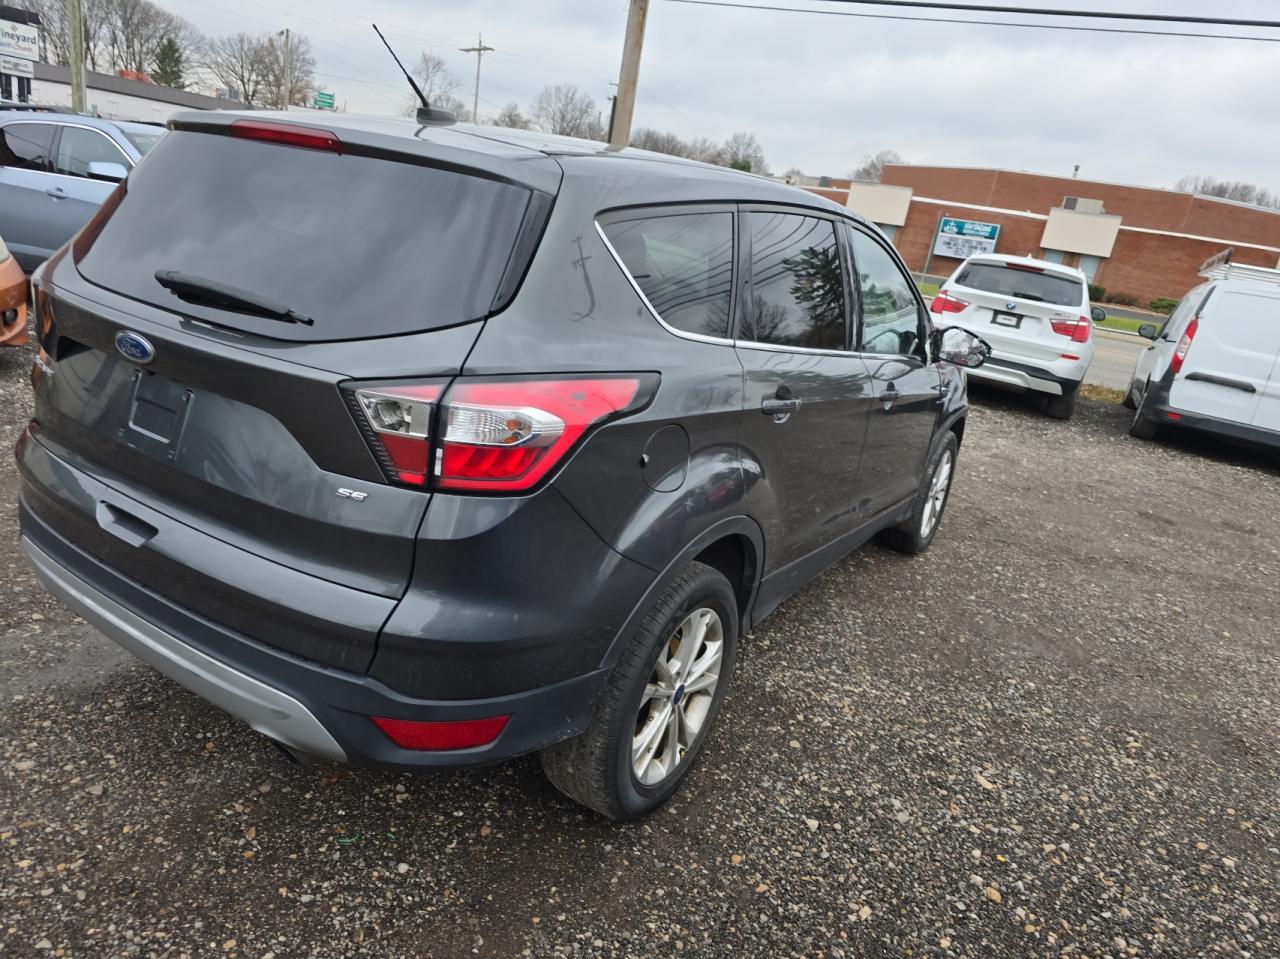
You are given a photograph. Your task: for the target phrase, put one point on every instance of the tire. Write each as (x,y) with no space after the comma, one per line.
(1129,402)
(1061,407)
(598,768)
(913,535)
(1143,428)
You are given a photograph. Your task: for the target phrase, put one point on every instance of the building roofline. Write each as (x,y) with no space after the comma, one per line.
(1055,176)
(107,83)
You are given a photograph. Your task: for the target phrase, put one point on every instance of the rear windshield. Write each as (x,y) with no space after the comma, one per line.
(1025,284)
(363,247)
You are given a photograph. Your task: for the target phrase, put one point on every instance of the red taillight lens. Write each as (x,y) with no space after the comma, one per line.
(287,134)
(465,734)
(1184,345)
(944,302)
(507,435)
(1078,330)
(399,418)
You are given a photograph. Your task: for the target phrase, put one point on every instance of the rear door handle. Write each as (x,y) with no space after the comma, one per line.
(889,397)
(57,192)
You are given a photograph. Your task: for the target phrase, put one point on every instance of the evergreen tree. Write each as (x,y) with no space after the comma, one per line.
(168,70)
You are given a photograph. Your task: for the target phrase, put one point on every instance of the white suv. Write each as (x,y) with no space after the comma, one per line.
(1216,364)
(1036,316)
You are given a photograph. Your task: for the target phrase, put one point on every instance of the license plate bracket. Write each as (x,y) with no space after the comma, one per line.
(157,413)
(1012,320)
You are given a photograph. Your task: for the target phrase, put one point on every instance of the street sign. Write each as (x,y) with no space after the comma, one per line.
(964,238)
(323,100)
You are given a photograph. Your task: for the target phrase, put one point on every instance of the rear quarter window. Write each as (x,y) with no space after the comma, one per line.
(365,247)
(683,264)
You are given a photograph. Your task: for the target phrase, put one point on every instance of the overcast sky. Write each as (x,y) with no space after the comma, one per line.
(822,91)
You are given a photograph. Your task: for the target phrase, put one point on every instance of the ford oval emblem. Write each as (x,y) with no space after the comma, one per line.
(135,347)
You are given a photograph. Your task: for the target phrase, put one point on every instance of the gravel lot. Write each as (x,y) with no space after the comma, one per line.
(1054,735)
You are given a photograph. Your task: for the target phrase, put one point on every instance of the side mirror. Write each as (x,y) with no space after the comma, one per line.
(959,347)
(1148,331)
(111,172)
(1098,314)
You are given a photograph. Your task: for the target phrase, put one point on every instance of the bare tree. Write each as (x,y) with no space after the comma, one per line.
(659,142)
(512,118)
(301,68)
(1237,190)
(238,62)
(567,111)
(133,31)
(438,84)
(705,150)
(742,151)
(872,166)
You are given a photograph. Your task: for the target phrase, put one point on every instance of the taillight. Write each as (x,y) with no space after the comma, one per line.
(944,302)
(1078,330)
(507,435)
(286,134)
(1184,345)
(488,434)
(399,418)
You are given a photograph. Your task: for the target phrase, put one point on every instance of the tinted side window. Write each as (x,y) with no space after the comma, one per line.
(797,298)
(26,145)
(684,265)
(77,148)
(890,316)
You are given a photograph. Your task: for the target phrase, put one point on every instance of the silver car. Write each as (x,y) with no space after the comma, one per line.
(55,171)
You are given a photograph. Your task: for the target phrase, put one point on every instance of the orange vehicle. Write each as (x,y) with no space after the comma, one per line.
(13,300)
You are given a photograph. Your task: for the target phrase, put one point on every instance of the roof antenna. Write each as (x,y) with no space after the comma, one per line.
(425,113)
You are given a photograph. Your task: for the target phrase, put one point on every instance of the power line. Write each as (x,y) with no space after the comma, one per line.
(1047,12)
(977,23)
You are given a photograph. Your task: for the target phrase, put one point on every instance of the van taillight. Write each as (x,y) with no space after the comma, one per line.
(1184,345)
(489,435)
(1078,330)
(944,302)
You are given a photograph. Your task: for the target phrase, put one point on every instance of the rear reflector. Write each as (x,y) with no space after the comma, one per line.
(287,134)
(1078,330)
(441,737)
(507,435)
(944,302)
(1184,345)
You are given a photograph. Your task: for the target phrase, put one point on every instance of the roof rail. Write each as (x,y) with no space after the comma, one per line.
(1221,267)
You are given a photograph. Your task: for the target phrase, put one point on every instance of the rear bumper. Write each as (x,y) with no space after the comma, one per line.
(1027,377)
(1239,432)
(312,708)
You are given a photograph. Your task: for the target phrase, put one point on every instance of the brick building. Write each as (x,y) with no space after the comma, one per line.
(1137,240)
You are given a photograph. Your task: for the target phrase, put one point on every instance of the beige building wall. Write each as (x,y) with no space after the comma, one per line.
(886,205)
(1090,234)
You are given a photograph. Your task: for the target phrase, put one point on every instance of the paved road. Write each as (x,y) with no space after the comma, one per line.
(1113,357)
(1053,735)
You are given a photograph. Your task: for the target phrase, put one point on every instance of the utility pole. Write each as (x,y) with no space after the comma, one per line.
(75,19)
(479,50)
(628,76)
(288,81)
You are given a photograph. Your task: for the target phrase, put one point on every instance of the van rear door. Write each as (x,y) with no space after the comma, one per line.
(1229,366)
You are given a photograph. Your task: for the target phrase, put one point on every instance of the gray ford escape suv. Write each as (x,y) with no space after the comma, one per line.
(436,445)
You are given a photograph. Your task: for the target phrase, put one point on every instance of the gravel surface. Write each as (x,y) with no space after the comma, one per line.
(1053,735)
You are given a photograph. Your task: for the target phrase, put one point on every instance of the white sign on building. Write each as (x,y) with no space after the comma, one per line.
(19,40)
(16,68)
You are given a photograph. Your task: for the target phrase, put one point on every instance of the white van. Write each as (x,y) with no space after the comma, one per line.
(1216,364)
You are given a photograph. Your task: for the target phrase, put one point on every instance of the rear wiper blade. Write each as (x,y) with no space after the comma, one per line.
(1029,296)
(200,290)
